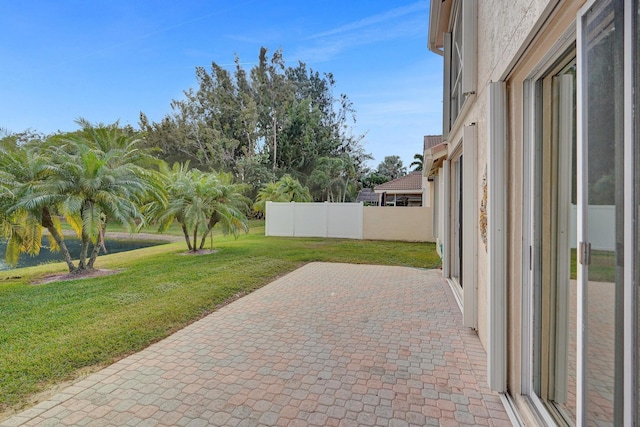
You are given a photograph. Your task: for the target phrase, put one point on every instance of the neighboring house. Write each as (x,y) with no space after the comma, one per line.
(368,197)
(540,119)
(408,190)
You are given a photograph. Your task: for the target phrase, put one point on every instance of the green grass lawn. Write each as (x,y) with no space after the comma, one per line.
(50,332)
(601,269)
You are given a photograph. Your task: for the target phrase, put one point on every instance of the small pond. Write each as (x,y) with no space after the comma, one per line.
(113,246)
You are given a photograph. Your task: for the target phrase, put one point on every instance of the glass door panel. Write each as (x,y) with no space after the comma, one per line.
(602,207)
(562,365)
(554,231)
(456,270)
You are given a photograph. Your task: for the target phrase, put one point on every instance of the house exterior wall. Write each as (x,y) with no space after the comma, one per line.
(549,76)
(515,42)
(502,31)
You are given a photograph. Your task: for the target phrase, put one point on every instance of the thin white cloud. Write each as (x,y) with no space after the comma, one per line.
(400,23)
(411,9)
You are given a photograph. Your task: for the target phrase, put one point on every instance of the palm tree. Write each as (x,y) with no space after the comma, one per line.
(198,201)
(293,190)
(270,192)
(27,202)
(334,176)
(286,189)
(417,162)
(89,177)
(228,207)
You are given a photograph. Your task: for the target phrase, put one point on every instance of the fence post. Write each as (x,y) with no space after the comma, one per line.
(293,221)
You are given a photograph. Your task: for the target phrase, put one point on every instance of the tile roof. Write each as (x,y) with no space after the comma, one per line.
(412,181)
(432,141)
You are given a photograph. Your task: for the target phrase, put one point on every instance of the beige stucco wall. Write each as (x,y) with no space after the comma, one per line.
(505,33)
(413,224)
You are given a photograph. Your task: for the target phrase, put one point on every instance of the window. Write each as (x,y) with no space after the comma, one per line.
(460,48)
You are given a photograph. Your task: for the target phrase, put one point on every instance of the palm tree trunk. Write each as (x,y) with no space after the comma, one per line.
(186,235)
(195,238)
(47,223)
(96,248)
(212,222)
(82,262)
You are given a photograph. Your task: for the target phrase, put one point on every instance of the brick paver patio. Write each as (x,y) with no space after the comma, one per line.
(327,345)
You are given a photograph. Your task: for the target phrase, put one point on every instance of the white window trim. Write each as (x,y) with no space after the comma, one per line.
(581,221)
(470,226)
(446,98)
(630,290)
(469,45)
(446,216)
(565,110)
(528,192)
(531,100)
(497,237)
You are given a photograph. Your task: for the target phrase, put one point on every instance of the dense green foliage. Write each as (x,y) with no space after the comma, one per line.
(100,175)
(90,177)
(259,125)
(391,168)
(198,201)
(286,189)
(51,331)
(418,160)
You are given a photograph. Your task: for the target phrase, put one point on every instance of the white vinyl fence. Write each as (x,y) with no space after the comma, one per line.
(602,223)
(349,221)
(339,220)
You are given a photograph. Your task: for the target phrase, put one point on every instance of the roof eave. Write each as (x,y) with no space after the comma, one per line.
(433,158)
(414,191)
(439,12)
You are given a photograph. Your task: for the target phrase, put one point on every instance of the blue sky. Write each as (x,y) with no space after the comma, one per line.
(110,60)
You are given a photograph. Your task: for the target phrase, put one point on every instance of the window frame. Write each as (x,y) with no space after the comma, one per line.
(460,58)
(531,155)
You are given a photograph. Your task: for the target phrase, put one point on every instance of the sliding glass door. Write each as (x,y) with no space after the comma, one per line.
(601,212)
(553,285)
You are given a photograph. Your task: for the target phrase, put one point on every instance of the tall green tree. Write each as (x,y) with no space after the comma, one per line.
(240,121)
(334,179)
(274,95)
(391,167)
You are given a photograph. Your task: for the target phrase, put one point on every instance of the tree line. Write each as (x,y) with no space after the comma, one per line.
(240,139)
(262,124)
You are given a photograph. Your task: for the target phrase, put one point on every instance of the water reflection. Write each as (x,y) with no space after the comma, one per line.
(46,256)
